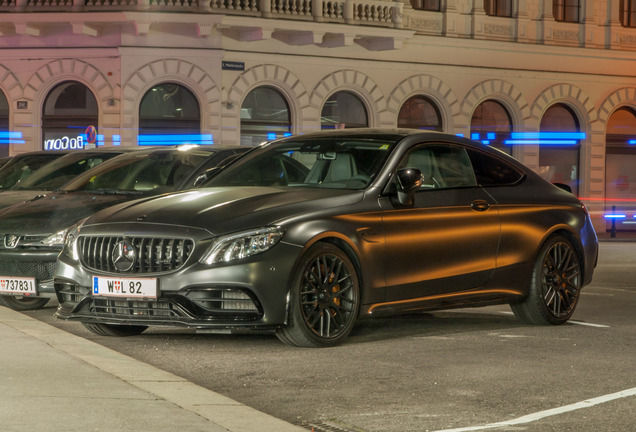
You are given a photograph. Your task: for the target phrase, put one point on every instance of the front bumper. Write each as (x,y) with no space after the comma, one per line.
(250,294)
(38,264)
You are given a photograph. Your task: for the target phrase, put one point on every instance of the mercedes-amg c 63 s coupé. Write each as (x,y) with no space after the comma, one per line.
(305,235)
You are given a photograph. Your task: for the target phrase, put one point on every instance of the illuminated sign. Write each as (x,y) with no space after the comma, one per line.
(174,139)
(8,137)
(65,143)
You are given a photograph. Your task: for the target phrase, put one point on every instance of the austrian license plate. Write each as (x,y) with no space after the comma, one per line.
(18,285)
(124,287)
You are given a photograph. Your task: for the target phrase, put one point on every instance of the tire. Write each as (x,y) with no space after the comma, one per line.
(23,303)
(324,301)
(115,329)
(555,286)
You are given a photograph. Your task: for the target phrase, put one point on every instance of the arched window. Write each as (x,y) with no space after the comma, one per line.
(169,114)
(343,110)
(620,160)
(264,116)
(69,108)
(419,112)
(559,163)
(491,124)
(4,125)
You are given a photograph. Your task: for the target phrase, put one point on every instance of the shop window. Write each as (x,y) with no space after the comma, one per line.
(264,116)
(491,124)
(419,112)
(4,125)
(628,13)
(169,114)
(427,5)
(69,108)
(559,163)
(566,10)
(501,8)
(343,110)
(620,160)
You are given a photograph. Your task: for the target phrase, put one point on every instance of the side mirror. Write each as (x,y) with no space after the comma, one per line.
(409,180)
(207,174)
(563,186)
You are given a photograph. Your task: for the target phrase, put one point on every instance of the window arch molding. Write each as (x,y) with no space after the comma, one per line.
(288,101)
(500,91)
(360,85)
(276,77)
(175,71)
(432,88)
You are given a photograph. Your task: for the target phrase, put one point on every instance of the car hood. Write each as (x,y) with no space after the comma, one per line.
(221,210)
(10,197)
(55,211)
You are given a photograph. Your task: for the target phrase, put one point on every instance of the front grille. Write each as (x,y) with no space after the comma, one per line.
(133,309)
(40,270)
(152,255)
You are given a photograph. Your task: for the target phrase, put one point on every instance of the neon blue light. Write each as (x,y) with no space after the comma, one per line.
(116,140)
(286,134)
(460,135)
(631,142)
(474,136)
(10,135)
(486,142)
(548,135)
(615,216)
(271,136)
(490,135)
(174,139)
(541,142)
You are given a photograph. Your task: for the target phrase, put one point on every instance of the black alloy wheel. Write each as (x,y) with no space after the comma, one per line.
(555,287)
(23,303)
(325,299)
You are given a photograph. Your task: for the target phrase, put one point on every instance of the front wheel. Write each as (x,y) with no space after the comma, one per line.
(115,329)
(23,303)
(555,286)
(325,299)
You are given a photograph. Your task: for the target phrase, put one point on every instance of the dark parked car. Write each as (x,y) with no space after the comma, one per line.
(32,232)
(57,173)
(20,166)
(305,235)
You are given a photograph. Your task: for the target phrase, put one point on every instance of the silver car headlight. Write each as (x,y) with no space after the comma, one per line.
(56,239)
(242,245)
(70,240)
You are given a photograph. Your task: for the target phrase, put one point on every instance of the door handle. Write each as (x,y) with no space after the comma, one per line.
(480,205)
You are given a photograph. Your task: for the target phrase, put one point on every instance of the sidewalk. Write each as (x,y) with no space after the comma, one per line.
(53,380)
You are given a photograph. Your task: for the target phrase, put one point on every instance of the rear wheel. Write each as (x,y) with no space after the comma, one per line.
(325,299)
(555,286)
(23,303)
(115,329)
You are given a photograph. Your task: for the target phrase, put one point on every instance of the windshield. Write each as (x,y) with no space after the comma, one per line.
(160,171)
(20,167)
(59,172)
(338,162)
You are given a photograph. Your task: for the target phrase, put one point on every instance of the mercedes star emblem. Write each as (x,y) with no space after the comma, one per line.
(124,255)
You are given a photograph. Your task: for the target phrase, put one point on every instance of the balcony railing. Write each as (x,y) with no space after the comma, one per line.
(358,12)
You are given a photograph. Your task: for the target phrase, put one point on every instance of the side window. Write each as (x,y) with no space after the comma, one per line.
(492,171)
(442,166)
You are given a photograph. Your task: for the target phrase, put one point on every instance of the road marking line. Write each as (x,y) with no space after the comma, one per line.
(588,324)
(571,322)
(548,413)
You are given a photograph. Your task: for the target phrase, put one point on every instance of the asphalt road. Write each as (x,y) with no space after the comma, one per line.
(461,370)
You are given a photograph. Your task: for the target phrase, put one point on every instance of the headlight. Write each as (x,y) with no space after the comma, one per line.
(70,240)
(241,245)
(56,239)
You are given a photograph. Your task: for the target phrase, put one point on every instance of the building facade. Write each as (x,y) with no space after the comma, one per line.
(552,82)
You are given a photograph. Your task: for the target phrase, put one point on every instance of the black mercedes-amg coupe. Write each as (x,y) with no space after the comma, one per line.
(307,234)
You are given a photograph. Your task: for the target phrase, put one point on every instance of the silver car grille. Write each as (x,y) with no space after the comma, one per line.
(151,254)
